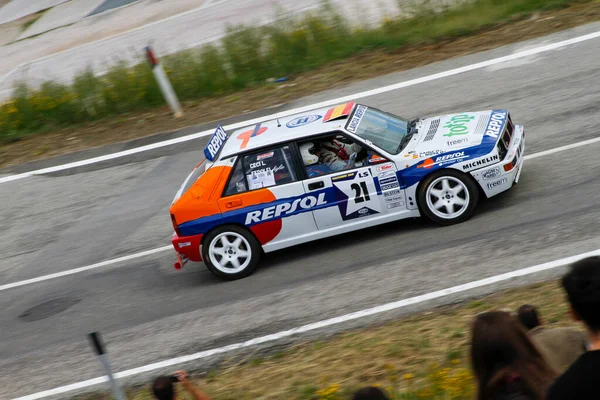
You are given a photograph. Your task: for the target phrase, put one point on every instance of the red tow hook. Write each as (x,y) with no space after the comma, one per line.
(181,260)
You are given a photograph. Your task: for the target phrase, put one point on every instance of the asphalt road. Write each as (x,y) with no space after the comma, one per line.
(148,312)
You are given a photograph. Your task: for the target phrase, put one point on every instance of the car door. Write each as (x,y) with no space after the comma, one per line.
(356,197)
(265,194)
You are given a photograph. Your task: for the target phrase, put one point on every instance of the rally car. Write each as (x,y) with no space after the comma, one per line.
(335,170)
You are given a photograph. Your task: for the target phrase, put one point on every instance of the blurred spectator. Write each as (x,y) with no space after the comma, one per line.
(560,346)
(506,363)
(164,389)
(369,393)
(582,284)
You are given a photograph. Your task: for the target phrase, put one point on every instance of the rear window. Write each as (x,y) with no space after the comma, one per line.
(262,169)
(191,179)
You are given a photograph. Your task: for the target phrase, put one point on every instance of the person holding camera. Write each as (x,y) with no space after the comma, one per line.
(164,389)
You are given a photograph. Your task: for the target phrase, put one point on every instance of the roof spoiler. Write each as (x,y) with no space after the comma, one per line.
(215,144)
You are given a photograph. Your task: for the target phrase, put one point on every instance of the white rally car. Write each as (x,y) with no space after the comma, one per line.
(336,170)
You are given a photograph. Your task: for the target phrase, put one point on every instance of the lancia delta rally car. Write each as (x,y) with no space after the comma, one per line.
(335,170)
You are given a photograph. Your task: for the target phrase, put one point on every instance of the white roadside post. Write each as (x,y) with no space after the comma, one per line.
(99,348)
(164,83)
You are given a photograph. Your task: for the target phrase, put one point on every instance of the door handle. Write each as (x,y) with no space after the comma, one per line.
(233,203)
(316,185)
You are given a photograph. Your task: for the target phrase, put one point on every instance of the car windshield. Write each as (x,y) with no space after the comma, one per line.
(384,130)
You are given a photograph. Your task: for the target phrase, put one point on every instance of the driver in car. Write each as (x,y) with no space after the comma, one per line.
(326,157)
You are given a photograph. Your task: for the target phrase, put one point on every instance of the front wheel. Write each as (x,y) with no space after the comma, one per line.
(448,197)
(231,252)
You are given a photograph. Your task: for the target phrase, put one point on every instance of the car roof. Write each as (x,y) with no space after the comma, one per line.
(294,127)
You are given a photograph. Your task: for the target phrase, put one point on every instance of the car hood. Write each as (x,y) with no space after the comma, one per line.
(451,132)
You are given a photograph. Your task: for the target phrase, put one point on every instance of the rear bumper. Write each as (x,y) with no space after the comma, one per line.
(500,177)
(187,247)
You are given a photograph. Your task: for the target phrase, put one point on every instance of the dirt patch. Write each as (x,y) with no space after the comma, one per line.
(359,67)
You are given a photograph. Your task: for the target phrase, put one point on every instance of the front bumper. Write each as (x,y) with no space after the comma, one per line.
(187,249)
(500,177)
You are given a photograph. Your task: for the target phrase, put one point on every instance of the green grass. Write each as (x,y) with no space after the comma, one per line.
(246,57)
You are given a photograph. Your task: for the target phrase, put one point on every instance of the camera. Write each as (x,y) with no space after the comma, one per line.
(174,378)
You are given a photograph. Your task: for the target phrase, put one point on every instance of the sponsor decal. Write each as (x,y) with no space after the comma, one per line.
(428,163)
(457,142)
(491,173)
(389,186)
(441,160)
(184,244)
(452,156)
(395,204)
(481,162)
(384,167)
(492,185)
(301,121)
(374,158)
(356,118)
(215,143)
(247,135)
(343,177)
(457,125)
(285,209)
(496,123)
(265,156)
(386,174)
(430,153)
(387,180)
(363,211)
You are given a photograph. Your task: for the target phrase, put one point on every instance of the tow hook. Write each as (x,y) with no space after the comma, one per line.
(181,261)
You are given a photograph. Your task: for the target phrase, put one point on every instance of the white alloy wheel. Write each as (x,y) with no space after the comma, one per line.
(230,252)
(447,197)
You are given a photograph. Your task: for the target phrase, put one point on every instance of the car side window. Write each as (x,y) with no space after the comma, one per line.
(262,169)
(237,182)
(334,153)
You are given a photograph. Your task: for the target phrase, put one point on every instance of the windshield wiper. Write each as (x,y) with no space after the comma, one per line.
(411,131)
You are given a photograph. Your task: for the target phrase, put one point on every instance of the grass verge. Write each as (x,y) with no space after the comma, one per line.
(424,356)
(315,52)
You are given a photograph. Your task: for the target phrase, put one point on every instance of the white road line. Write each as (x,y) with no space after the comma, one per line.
(373,92)
(561,148)
(83,269)
(318,325)
(165,248)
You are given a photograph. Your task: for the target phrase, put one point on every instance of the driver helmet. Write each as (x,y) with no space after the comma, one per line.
(307,151)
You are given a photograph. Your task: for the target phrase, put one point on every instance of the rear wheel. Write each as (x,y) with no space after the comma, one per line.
(231,252)
(448,197)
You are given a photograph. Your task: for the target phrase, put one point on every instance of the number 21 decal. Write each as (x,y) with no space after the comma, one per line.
(361,192)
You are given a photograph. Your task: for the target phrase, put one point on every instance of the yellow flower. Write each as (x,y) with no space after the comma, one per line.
(408,376)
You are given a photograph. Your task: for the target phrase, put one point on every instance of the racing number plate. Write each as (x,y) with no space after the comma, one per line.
(356,194)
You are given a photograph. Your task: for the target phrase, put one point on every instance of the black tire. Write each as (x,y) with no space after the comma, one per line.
(469,194)
(219,264)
